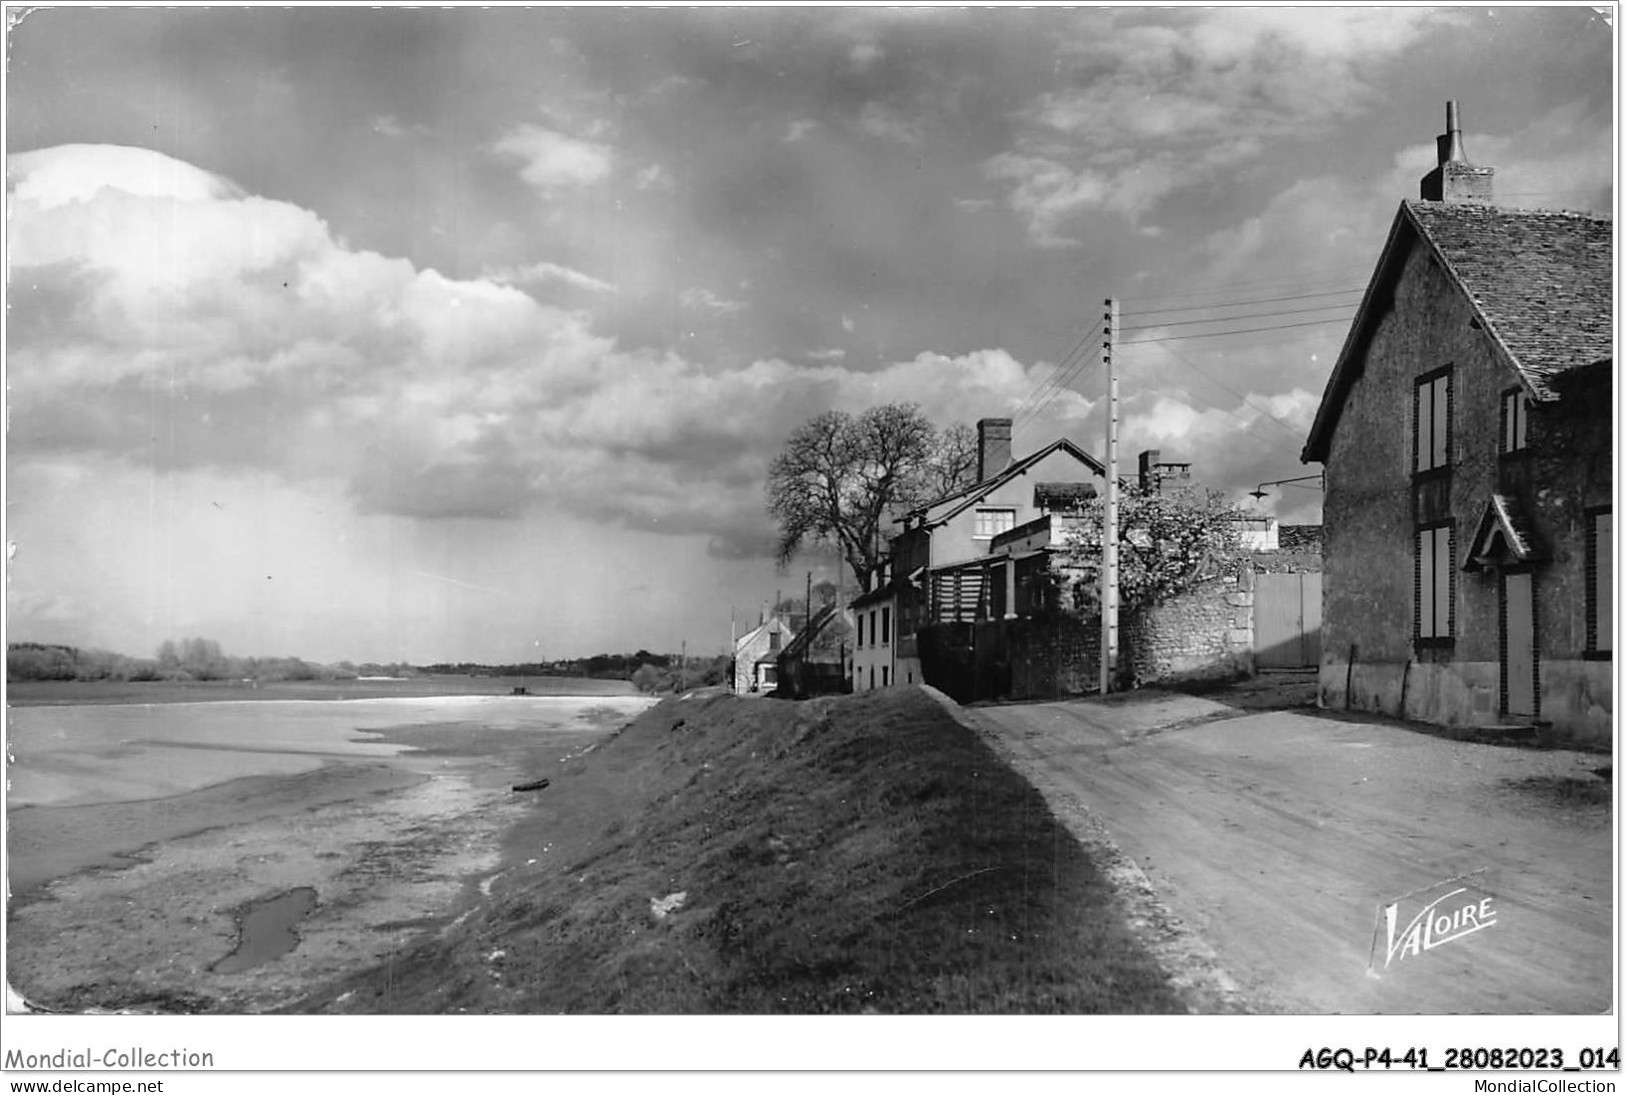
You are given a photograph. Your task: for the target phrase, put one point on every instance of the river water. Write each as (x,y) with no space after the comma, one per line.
(227,856)
(92,781)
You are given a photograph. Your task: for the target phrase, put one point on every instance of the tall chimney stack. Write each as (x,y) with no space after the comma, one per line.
(1451,149)
(1455,179)
(992,447)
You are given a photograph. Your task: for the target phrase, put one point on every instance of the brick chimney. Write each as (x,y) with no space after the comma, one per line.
(992,447)
(1456,180)
(1148,464)
(1156,473)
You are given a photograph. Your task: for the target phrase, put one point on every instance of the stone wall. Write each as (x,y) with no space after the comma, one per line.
(1205,633)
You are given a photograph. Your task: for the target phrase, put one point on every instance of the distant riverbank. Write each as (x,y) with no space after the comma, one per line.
(44,693)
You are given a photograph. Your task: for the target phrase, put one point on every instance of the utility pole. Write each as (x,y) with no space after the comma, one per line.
(1108,540)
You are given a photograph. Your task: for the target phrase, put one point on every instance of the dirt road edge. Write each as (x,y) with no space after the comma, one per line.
(1193,968)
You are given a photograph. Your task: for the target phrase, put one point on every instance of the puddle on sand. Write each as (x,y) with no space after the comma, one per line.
(268,930)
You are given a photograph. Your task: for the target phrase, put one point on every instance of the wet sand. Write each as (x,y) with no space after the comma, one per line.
(134,905)
(51,842)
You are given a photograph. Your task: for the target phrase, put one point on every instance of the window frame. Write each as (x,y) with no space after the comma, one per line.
(1514,422)
(989,511)
(885,624)
(1428,382)
(1425,585)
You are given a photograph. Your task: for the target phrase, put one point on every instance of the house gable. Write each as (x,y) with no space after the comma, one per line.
(951,505)
(1538,285)
(955,536)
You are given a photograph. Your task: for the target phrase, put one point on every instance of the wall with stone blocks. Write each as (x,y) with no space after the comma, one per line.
(1204,633)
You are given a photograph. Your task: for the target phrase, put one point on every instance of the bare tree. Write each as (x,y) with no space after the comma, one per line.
(841,477)
(953,463)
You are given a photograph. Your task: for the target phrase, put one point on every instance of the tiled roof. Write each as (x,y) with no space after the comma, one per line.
(1542,280)
(1541,283)
(979,490)
(1299,537)
(1504,529)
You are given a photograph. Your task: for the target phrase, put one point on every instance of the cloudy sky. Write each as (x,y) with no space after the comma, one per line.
(469,334)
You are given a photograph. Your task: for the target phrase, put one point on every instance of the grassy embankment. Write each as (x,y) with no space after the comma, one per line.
(862,853)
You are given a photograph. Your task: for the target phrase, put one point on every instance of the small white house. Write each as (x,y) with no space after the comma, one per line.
(756,655)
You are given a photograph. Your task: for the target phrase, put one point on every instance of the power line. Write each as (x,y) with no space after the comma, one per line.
(1274,338)
(1243,331)
(1067,383)
(1243,303)
(1047,391)
(1256,285)
(1225,319)
(1063,383)
(1188,363)
(1059,367)
(1054,380)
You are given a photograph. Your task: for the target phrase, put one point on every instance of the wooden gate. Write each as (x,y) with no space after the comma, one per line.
(1286,620)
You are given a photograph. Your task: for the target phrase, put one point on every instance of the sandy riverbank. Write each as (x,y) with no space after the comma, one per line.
(130,905)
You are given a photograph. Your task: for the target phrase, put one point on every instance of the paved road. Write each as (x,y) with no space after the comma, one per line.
(1276,838)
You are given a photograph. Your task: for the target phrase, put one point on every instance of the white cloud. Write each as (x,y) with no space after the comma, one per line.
(552,160)
(800,129)
(1162,102)
(547,272)
(231,334)
(1047,193)
(79,172)
(246,340)
(706,301)
(390,126)
(655,177)
(865,54)
(879,120)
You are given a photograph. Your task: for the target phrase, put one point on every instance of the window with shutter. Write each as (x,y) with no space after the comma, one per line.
(1435,584)
(1431,421)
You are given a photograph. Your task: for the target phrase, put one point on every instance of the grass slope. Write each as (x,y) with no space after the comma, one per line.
(855,854)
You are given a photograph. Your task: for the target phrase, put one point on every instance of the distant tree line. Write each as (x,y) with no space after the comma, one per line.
(194,659)
(697,673)
(199,659)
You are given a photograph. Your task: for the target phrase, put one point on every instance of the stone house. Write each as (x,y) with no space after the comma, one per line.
(937,566)
(1465,434)
(756,655)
